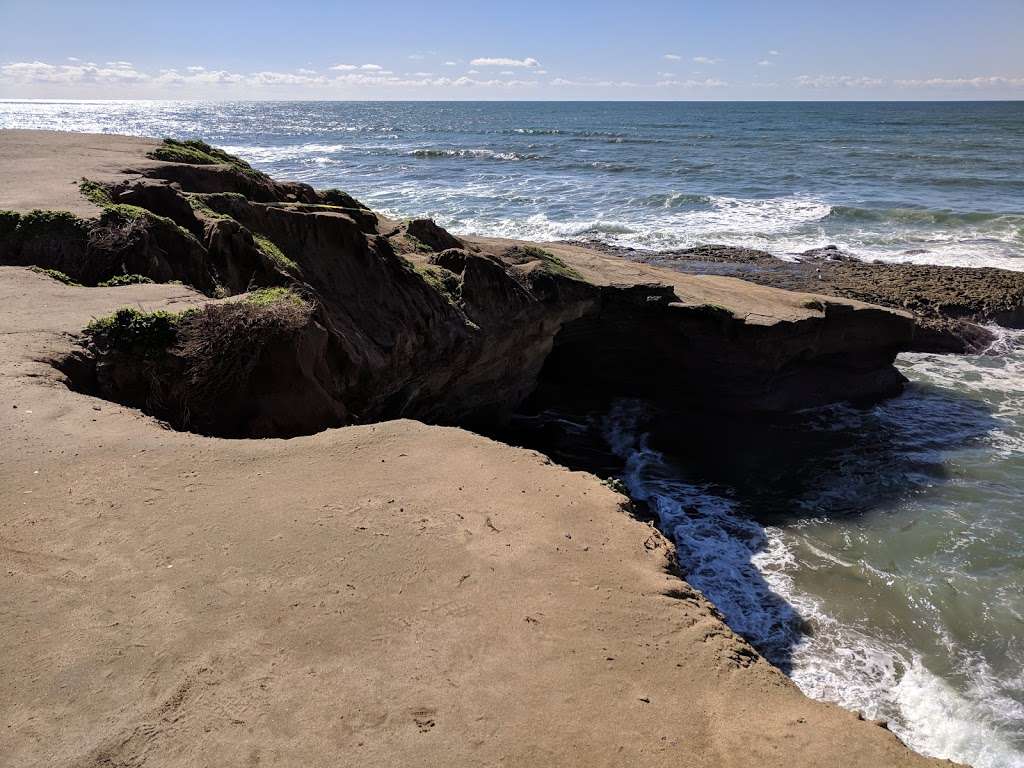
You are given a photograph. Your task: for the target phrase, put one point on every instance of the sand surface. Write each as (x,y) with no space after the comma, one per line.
(41,169)
(390,594)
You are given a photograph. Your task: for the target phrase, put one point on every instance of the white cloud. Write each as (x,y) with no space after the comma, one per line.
(527,63)
(765,63)
(773,53)
(710,82)
(344,67)
(371,67)
(73,58)
(963,82)
(672,57)
(473,72)
(838,81)
(195,68)
(559,81)
(416,56)
(705,60)
(451,63)
(27,72)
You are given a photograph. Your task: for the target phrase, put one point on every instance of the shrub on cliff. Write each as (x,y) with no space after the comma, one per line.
(184,366)
(132,331)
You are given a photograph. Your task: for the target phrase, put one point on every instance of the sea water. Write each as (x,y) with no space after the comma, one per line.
(876,555)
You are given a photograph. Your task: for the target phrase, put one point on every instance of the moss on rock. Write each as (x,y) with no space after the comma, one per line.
(195,152)
(549,263)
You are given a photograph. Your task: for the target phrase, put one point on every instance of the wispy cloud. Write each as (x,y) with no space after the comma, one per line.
(672,57)
(765,63)
(353,67)
(498,61)
(710,82)
(705,60)
(995,81)
(838,81)
(773,53)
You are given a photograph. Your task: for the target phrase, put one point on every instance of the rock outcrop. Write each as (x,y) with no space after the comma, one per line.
(406,320)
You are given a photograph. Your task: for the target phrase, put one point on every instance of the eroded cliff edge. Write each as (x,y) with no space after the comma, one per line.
(383,319)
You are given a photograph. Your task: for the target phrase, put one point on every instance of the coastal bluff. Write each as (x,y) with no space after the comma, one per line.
(385,587)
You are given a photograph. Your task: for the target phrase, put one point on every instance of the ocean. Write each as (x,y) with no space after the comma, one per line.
(875,554)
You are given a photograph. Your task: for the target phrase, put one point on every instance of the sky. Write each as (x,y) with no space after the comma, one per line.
(526,50)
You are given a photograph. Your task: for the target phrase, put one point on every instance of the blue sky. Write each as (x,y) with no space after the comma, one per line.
(529,49)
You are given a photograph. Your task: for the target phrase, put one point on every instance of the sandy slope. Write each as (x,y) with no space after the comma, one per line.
(394,594)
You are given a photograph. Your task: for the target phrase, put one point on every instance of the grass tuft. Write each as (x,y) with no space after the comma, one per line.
(119,280)
(275,254)
(57,275)
(264,297)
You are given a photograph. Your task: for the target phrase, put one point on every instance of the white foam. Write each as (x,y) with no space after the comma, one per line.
(748,572)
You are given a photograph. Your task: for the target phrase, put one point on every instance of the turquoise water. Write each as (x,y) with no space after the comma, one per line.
(876,555)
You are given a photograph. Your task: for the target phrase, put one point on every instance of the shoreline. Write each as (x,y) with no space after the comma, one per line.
(216,597)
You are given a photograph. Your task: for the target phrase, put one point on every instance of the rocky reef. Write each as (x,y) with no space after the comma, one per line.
(950,304)
(358,318)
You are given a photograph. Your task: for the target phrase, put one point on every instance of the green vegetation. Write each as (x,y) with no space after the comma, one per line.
(131,330)
(8,223)
(119,280)
(38,223)
(275,254)
(120,213)
(267,296)
(550,264)
(57,275)
(616,485)
(445,282)
(195,152)
(43,236)
(199,205)
(418,244)
(95,193)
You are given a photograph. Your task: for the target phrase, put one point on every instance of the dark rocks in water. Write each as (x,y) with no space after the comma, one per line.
(718,253)
(432,235)
(828,253)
